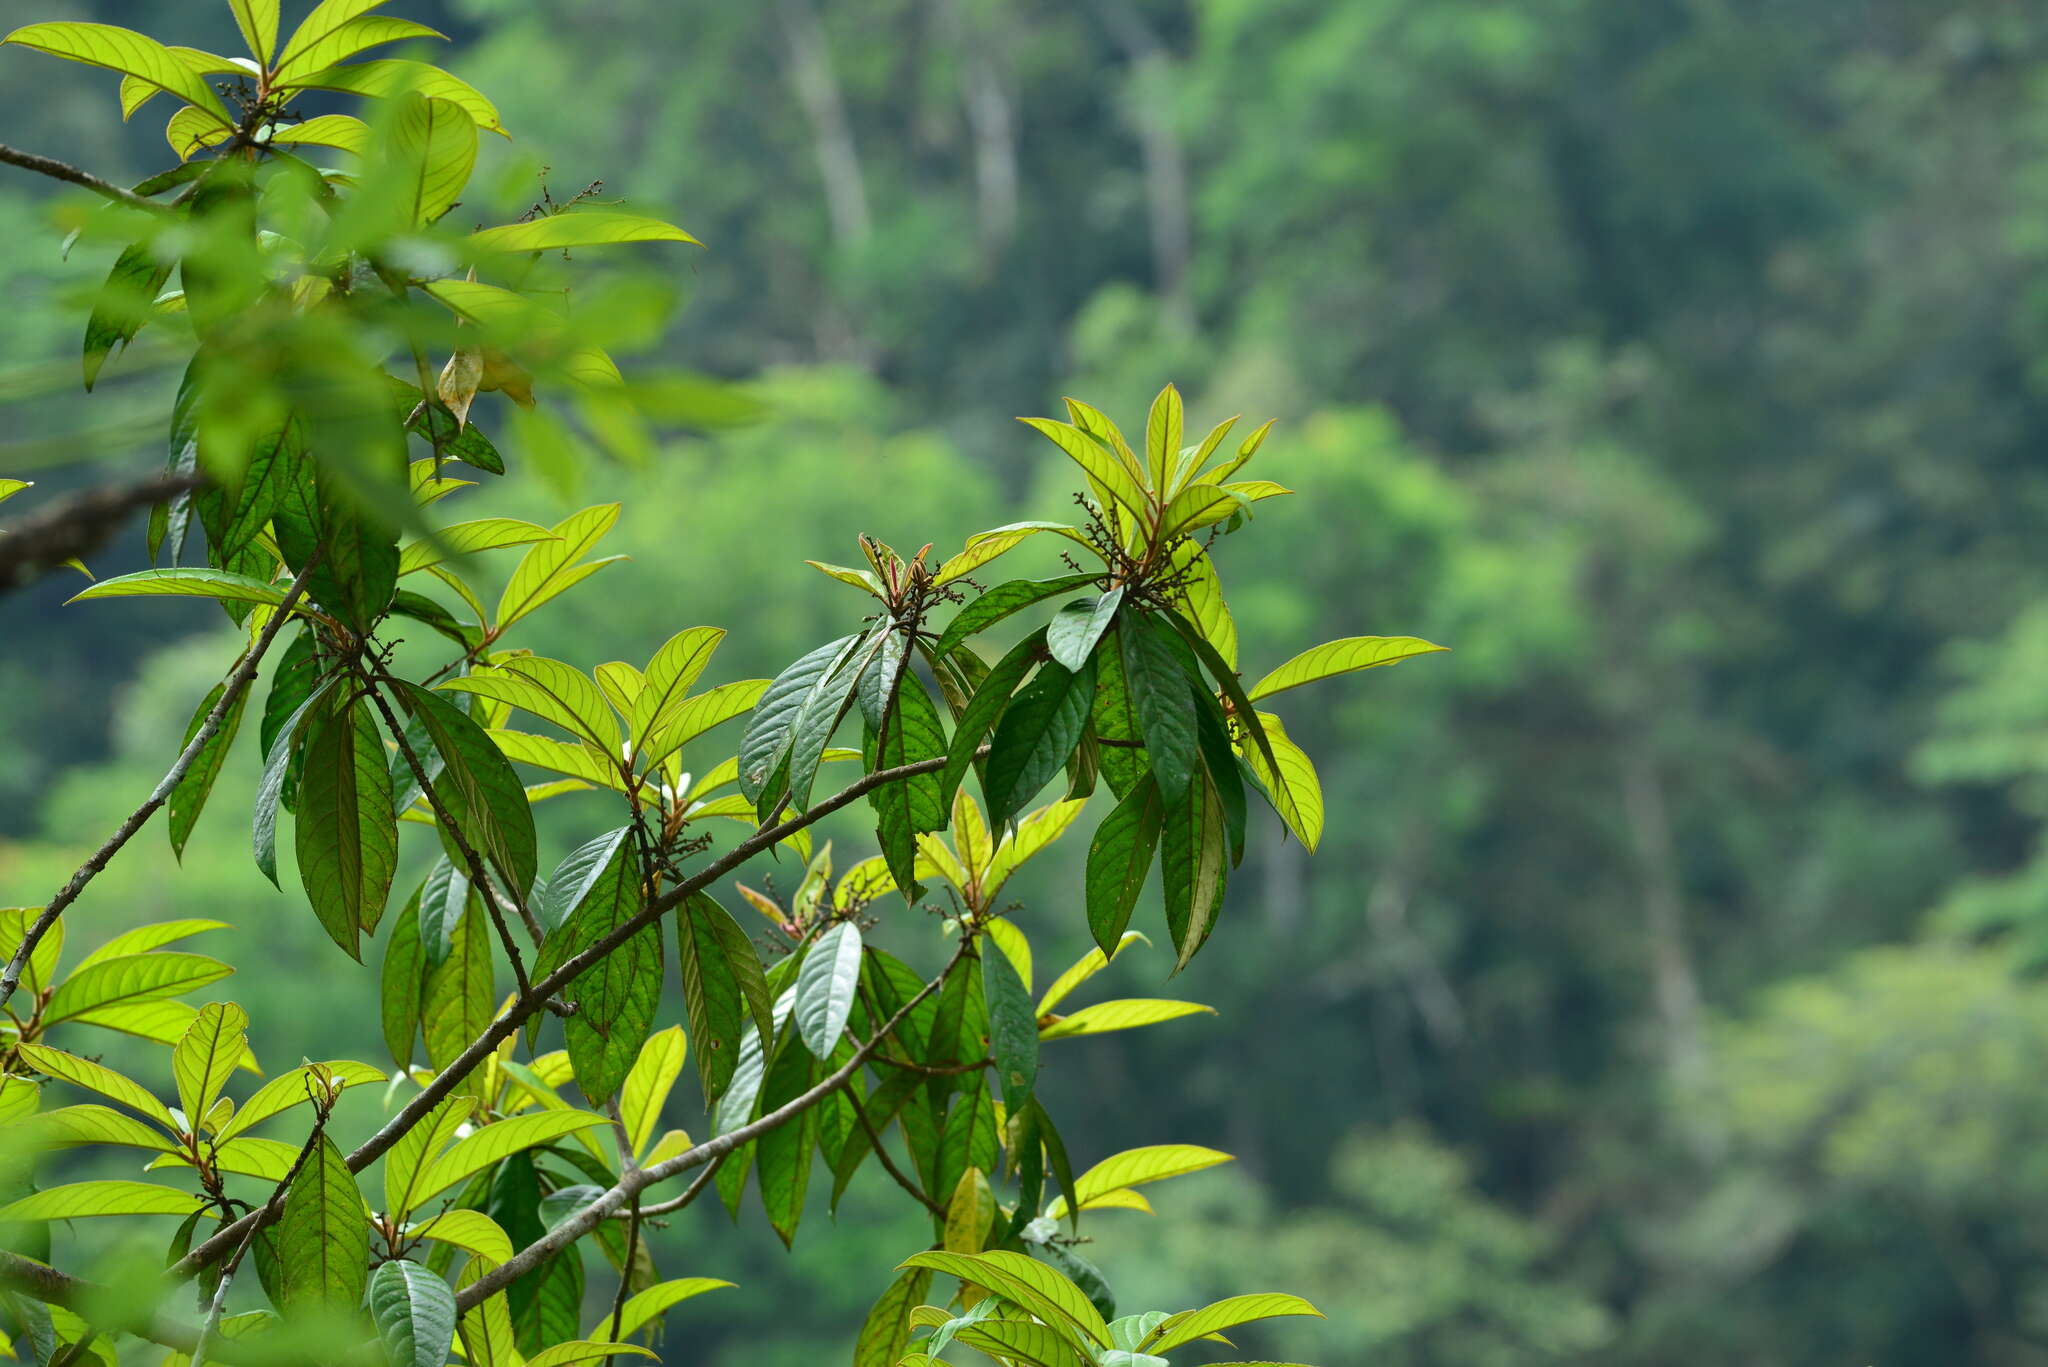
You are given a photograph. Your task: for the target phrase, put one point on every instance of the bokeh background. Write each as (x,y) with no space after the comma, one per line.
(1667,990)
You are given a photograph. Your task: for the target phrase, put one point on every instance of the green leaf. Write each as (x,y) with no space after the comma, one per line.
(295,1088)
(616,996)
(85,1200)
(907,807)
(1012,1030)
(385,77)
(1190,1325)
(1078,626)
(1020,1341)
(553,567)
(86,1124)
(984,709)
(1161,701)
(188,799)
(886,1331)
(1106,473)
(328,17)
(123,50)
(96,1077)
(323,1237)
(354,36)
(131,978)
(346,836)
(497,1141)
(1295,793)
(257,19)
(722,987)
(1037,734)
(470,1230)
(457,1000)
(1162,439)
(825,986)
(1341,657)
(1137,1167)
(430,153)
(1191,863)
(771,730)
(1002,600)
(671,672)
(407,1164)
(478,787)
(1128,1014)
(185,582)
(415,1314)
(556,232)
(328,130)
(125,303)
(647,1086)
(1034,834)
(581,1351)
(467,538)
(1119,858)
(402,980)
(699,714)
(206,1057)
(270,788)
(784,1153)
(1031,1285)
(643,1308)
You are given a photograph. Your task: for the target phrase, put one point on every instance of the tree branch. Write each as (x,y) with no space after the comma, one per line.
(635,1181)
(524,1006)
(58,170)
(860,1114)
(237,681)
(48,1285)
(80,525)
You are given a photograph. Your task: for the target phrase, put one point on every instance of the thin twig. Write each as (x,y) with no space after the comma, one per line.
(478,874)
(630,1184)
(322,1108)
(691,1193)
(237,681)
(81,525)
(58,170)
(524,1006)
(889,1164)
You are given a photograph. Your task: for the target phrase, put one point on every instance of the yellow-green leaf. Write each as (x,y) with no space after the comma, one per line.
(647,1087)
(84,1200)
(1085,967)
(356,35)
(205,1058)
(1125,1014)
(257,19)
(124,50)
(552,567)
(575,229)
(1298,793)
(189,581)
(467,538)
(1339,657)
(1190,1325)
(501,1140)
(390,76)
(330,130)
(470,1230)
(645,1306)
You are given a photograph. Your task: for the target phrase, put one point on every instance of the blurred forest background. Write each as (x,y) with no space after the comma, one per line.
(1667,989)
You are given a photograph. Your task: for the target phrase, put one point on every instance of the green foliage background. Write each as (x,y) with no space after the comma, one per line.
(1664,989)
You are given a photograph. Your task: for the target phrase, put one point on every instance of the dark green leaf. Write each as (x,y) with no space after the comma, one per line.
(1012,1028)
(457,1001)
(1036,736)
(1081,1273)
(124,303)
(911,731)
(1192,850)
(358,568)
(1076,628)
(415,1314)
(1002,600)
(478,787)
(188,799)
(241,498)
(1120,750)
(347,839)
(785,1152)
(463,442)
(263,826)
(323,1239)
(427,612)
(722,986)
(1161,701)
(1225,771)
(822,710)
(968,1137)
(444,897)
(616,996)
(405,969)
(991,696)
(1118,859)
